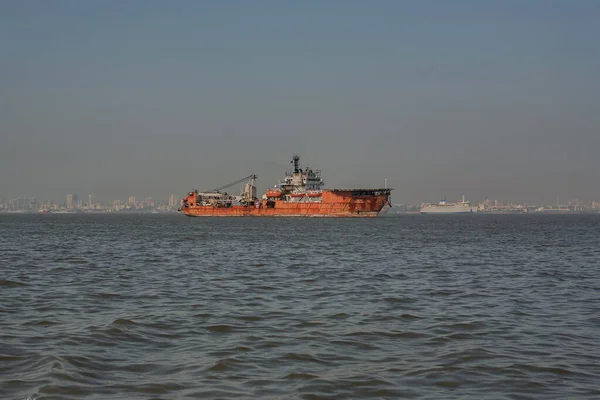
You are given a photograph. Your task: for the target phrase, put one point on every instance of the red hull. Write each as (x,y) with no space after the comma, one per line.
(335,203)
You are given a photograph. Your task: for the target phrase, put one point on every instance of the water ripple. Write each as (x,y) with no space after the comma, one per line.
(161,307)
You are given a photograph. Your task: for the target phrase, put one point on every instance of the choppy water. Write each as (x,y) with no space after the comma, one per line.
(164,307)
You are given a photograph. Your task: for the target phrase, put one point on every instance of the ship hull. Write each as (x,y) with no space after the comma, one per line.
(447,212)
(240,211)
(335,203)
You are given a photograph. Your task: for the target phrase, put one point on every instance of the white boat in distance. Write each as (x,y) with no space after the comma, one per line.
(443,207)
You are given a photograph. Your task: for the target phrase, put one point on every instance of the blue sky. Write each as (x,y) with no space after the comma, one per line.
(487,98)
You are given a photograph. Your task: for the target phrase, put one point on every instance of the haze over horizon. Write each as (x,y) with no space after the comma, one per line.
(147,98)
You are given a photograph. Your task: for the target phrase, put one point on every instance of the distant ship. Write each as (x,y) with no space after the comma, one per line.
(300,194)
(460,207)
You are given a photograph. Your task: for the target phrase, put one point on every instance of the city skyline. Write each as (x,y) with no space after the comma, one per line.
(72,201)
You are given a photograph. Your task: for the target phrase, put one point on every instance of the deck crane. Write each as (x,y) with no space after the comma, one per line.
(222,199)
(250,178)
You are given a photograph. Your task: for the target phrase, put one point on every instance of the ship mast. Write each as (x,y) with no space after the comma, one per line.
(296,161)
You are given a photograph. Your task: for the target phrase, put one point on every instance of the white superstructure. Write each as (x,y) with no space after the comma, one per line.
(301,185)
(443,207)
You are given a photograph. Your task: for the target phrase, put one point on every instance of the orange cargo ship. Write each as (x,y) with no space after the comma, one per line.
(300,194)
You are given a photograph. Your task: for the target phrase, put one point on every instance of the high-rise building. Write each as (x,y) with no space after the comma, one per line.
(90,201)
(71,201)
(173,201)
(131,200)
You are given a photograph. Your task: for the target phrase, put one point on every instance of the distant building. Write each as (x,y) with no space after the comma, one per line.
(90,201)
(148,202)
(173,201)
(131,200)
(21,204)
(71,201)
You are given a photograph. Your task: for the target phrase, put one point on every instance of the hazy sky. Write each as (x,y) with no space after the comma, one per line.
(495,99)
